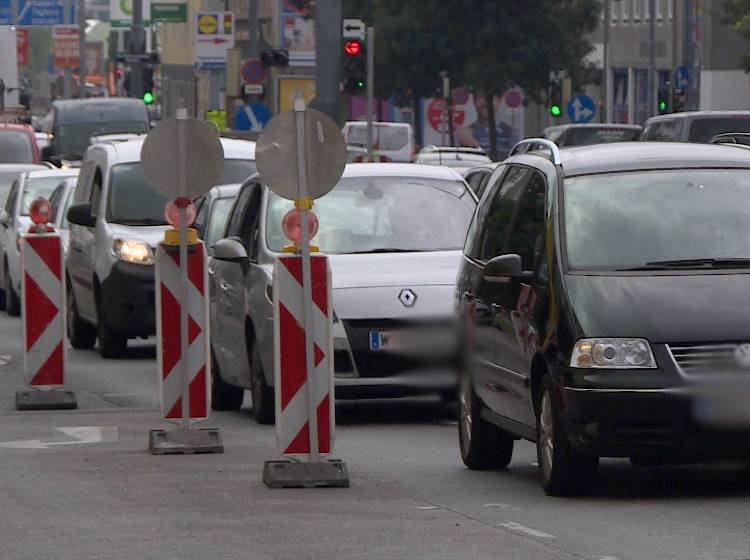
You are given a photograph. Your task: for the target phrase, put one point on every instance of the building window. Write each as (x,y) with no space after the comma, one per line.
(636,11)
(647,11)
(659,11)
(624,11)
(614,12)
(670,10)
(620,95)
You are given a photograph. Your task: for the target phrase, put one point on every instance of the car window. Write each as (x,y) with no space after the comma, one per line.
(669,130)
(11,196)
(475,179)
(68,200)
(85,177)
(494,227)
(217,223)
(704,129)
(35,187)
(585,136)
(73,138)
(201,216)
(239,210)
(15,147)
(526,232)
(483,184)
(385,137)
(131,199)
(96,191)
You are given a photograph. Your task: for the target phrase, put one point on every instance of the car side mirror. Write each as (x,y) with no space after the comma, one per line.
(3,218)
(504,267)
(231,250)
(80,215)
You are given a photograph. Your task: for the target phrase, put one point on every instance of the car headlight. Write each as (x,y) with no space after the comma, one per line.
(612,353)
(133,251)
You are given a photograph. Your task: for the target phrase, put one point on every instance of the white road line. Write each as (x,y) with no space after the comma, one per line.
(501,505)
(518,528)
(606,558)
(427,508)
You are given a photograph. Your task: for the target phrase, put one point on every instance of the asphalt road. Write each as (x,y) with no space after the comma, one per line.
(81,485)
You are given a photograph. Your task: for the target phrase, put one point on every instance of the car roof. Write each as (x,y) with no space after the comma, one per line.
(631,156)
(621,126)
(401,170)
(130,150)
(16,126)
(490,166)
(62,173)
(225,191)
(452,149)
(65,103)
(698,114)
(21,167)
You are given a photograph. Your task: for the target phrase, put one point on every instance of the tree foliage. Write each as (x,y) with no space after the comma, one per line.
(737,14)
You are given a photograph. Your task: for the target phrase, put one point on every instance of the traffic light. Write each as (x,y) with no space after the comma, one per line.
(148,85)
(355,67)
(663,98)
(555,97)
(275,57)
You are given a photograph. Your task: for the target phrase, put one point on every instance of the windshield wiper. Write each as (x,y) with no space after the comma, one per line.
(140,222)
(387,250)
(721,262)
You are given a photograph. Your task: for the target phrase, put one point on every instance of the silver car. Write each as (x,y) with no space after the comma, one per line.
(394,234)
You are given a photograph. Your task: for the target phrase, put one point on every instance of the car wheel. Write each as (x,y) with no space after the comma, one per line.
(223,395)
(12,301)
(112,345)
(2,299)
(564,470)
(262,394)
(483,445)
(81,334)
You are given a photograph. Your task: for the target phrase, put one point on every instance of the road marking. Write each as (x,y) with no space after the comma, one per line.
(80,434)
(501,505)
(427,508)
(517,527)
(5,359)
(606,558)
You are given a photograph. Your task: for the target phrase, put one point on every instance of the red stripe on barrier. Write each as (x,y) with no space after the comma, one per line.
(195,271)
(39,315)
(292,357)
(319,355)
(194,329)
(51,372)
(170,331)
(198,395)
(301,442)
(48,249)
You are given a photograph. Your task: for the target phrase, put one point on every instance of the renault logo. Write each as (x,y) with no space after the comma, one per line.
(742,356)
(409,298)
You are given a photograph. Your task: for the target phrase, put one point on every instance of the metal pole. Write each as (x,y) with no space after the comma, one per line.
(67,75)
(651,81)
(137,47)
(81,15)
(446,91)
(14,11)
(604,114)
(370,89)
(253,38)
(182,116)
(303,200)
(328,54)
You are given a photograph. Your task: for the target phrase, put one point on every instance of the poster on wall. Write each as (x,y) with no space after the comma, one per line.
(298,34)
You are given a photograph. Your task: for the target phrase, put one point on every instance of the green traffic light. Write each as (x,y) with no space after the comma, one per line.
(148,98)
(555,110)
(662,106)
(360,84)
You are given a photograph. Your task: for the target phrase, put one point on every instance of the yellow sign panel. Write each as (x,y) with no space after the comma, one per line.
(217,119)
(208,24)
(288,88)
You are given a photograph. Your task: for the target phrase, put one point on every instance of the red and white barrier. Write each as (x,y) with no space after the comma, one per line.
(167,261)
(43,309)
(292,416)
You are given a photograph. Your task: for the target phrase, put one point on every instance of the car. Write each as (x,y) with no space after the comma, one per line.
(580,134)
(74,121)
(212,213)
(15,221)
(462,159)
(61,199)
(18,144)
(601,304)
(392,142)
(478,176)
(42,140)
(695,126)
(117,219)
(393,233)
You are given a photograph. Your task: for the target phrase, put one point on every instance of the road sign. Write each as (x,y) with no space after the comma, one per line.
(65,40)
(324,157)
(37,12)
(203,157)
(581,109)
(214,36)
(353,29)
(253,71)
(513,98)
(252,117)
(254,89)
(681,78)
(121,12)
(171,12)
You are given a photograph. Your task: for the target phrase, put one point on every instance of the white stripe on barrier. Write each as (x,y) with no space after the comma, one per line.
(43,348)
(40,273)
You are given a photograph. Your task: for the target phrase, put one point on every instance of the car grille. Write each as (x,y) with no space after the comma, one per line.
(706,359)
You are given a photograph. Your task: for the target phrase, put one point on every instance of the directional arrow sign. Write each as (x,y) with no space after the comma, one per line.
(353,29)
(80,434)
(581,109)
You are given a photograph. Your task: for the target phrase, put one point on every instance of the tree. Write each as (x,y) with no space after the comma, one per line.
(737,14)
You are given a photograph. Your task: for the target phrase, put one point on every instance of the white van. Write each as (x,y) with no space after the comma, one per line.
(117,220)
(392,142)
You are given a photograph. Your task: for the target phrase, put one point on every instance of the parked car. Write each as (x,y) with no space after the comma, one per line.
(392,142)
(15,221)
(212,213)
(601,298)
(117,220)
(461,159)
(61,199)
(478,176)
(18,144)
(695,126)
(393,234)
(580,134)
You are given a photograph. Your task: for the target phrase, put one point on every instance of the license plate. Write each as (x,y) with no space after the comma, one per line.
(383,340)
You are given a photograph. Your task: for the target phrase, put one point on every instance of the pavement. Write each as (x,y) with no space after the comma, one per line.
(82,485)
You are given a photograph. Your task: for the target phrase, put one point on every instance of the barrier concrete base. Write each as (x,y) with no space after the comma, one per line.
(180,441)
(291,474)
(46,399)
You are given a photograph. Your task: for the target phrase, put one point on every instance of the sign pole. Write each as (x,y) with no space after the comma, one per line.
(304,203)
(181,115)
(370,89)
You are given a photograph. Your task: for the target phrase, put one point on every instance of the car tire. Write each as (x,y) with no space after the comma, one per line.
(112,345)
(483,445)
(82,335)
(262,394)
(2,299)
(223,395)
(12,300)
(564,471)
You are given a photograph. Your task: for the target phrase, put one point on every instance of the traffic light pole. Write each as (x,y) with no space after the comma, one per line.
(137,47)
(370,89)
(651,80)
(328,57)
(81,15)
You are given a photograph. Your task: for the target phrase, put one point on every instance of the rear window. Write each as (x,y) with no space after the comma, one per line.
(669,130)
(389,138)
(15,147)
(703,130)
(236,171)
(587,136)
(96,111)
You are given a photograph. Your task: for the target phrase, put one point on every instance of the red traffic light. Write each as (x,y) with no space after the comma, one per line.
(352,48)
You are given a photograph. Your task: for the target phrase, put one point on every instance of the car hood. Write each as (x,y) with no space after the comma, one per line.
(437,268)
(149,234)
(674,308)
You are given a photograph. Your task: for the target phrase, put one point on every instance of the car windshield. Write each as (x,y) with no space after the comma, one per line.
(703,130)
(629,220)
(236,171)
(34,187)
(132,200)
(453,159)
(15,147)
(72,139)
(64,224)
(218,222)
(383,214)
(385,137)
(594,135)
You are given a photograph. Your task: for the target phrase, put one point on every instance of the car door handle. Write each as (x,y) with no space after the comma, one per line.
(496,308)
(224,285)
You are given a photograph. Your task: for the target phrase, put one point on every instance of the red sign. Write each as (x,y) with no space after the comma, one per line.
(437,116)
(22,46)
(65,46)
(513,99)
